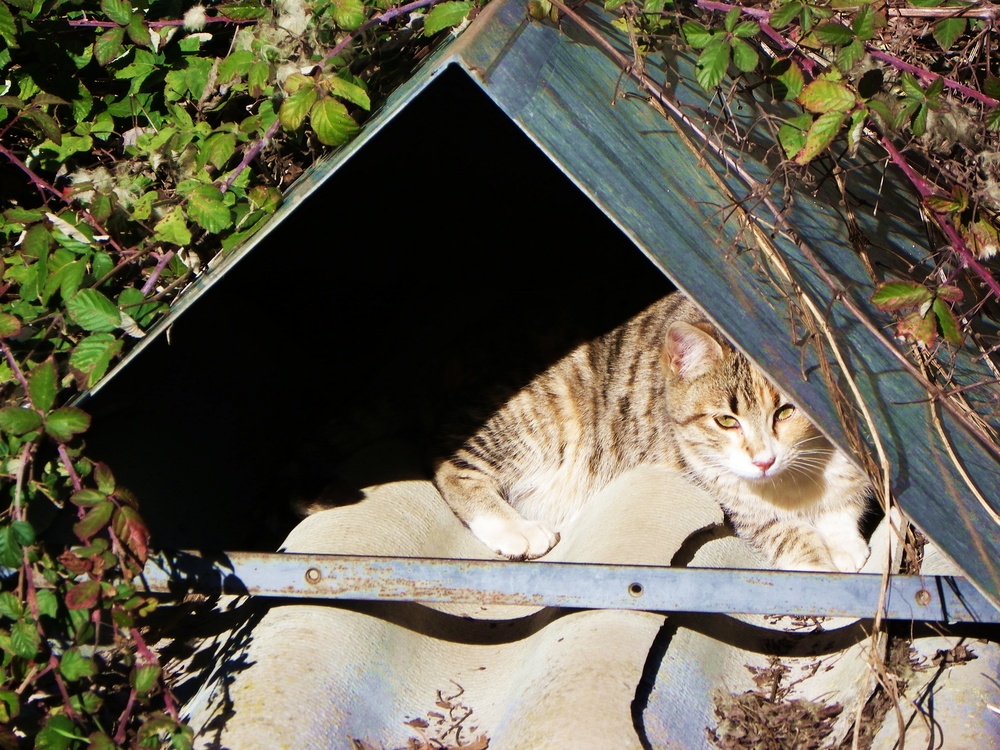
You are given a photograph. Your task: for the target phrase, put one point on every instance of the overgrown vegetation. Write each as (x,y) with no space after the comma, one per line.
(138,140)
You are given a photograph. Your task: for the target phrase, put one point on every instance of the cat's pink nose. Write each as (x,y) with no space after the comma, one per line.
(764,463)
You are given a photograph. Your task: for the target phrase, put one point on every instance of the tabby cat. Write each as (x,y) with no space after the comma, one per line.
(667,389)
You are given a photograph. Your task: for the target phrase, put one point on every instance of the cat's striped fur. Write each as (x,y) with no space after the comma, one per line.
(664,388)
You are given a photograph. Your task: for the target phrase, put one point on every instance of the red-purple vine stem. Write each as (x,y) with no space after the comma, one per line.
(925,191)
(380,19)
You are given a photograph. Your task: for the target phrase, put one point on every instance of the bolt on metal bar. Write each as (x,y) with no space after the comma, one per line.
(574,585)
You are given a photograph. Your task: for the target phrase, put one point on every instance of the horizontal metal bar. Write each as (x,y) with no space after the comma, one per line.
(574,585)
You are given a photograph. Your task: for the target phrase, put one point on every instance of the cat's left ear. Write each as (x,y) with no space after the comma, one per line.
(688,351)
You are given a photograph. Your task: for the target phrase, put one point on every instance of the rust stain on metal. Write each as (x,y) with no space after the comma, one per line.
(313,575)
(923,597)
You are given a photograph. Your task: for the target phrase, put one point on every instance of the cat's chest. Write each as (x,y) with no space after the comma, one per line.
(554,489)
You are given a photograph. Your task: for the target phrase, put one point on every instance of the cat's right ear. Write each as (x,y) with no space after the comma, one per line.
(688,351)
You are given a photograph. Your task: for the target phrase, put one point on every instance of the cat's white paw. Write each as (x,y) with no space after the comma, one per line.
(849,554)
(519,539)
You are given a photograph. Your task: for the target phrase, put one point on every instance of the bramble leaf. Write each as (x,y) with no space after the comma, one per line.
(445,16)
(95,519)
(712,63)
(696,35)
(43,385)
(821,134)
(83,595)
(331,122)
(348,14)
(206,207)
(894,295)
(119,11)
(947,322)
(94,312)
(109,45)
(948,30)
(744,56)
(822,96)
(64,423)
(17,421)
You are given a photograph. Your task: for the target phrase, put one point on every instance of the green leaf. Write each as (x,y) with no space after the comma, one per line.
(822,96)
(48,603)
(792,134)
(43,385)
(863,24)
(834,34)
(849,55)
(109,45)
(911,87)
(206,208)
(10,706)
(947,322)
(17,421)
(46,124)
(348,14)
(919,124)
(11,606)
(24,532)
(249,10)
(138,32)
(119,11)
(95,520)
(59,733)
(295,107)
(94,312)
(8,27)
(93,355)
(104,477)
(87,498)
(173,228)
(331,122)
(746,30)
(348,91)
(784,15)
(744,56)
(235,65)
(712,63)
(696,35)
(445,16)
(991,86)
(10,548)
(894,295)
(948,30)
(789,75)
(821,134)
(731,18)
(64,423)
(10,326)
(24,639)
(144,678)
(74,666)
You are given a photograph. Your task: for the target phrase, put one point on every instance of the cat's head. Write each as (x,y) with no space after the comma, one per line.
(732,425)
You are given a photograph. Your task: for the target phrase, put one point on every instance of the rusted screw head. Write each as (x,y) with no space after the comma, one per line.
(923,597)
(313,575)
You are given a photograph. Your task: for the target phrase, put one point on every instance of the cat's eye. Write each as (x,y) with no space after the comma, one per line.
(784,412)
(727,422)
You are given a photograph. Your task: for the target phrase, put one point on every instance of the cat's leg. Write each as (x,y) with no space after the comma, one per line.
(788,543)
(479,505)
(847,547)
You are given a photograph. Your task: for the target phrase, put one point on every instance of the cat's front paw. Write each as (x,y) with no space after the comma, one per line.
(850,554)
(519,539)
